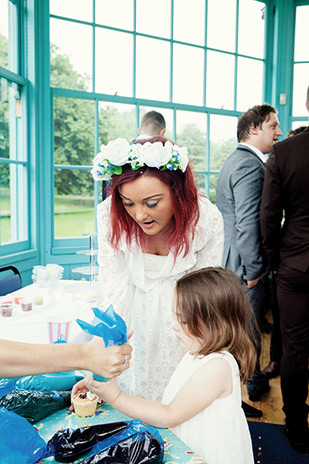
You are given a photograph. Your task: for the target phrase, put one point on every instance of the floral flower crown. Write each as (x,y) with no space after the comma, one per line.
(117,153)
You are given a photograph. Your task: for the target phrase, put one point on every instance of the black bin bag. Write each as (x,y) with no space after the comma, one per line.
(35,405)
(117,442)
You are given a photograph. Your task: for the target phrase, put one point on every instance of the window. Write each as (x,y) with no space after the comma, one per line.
(14,166)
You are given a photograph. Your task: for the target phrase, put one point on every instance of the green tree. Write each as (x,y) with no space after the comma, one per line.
(4,115)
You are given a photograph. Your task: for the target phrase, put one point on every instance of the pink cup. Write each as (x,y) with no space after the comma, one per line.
(58,328)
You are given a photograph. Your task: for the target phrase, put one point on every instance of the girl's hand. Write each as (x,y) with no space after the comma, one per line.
(107,391)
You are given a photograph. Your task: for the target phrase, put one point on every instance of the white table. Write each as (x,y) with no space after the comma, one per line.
(71,299)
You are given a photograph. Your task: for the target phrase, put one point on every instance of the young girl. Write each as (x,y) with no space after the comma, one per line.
(202,402)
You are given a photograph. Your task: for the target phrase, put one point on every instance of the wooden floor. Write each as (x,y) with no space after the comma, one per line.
(271,402)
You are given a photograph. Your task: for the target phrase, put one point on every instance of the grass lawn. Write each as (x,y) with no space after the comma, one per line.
(74,216)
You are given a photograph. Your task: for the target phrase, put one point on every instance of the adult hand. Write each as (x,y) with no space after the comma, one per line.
(106,362)
(252,283)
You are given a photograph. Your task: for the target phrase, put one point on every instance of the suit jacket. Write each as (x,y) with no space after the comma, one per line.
(287,188)
(239,193)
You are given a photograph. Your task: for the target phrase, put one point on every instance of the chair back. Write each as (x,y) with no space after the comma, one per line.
(9,283)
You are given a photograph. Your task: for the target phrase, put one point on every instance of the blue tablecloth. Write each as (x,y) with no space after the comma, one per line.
(176,452)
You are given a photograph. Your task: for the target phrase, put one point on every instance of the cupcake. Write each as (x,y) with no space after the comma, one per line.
(85,404)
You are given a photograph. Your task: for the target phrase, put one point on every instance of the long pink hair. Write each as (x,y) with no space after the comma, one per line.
(184,200)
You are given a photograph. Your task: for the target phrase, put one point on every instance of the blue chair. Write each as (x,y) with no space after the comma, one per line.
(10,283)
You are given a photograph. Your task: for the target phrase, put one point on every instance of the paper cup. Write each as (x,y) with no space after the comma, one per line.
(58,328)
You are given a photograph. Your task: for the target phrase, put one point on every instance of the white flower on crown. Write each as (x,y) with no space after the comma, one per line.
(156,154)
(183,157)
(116,151)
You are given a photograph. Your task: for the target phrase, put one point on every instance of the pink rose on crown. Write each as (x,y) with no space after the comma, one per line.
(156,154)
(116,151)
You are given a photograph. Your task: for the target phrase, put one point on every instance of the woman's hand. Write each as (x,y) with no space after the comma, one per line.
(106,362)
(107,391)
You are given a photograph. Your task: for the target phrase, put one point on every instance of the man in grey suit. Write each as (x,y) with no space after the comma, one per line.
(239,193)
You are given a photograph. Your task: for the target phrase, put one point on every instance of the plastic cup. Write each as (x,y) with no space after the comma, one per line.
(58,327)
(6,309)
(26,305)
(84,406)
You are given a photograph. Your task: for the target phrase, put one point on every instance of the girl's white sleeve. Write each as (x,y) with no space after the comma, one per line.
(113,271)
(210,238)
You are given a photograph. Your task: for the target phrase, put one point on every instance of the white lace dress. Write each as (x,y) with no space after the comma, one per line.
(219,434)
(140,287)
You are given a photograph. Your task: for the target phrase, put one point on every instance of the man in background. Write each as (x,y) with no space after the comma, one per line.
(239,193)
(153,123)
(286,189)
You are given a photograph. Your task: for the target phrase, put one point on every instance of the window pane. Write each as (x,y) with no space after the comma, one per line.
(223,139)
(154,18)
(10,140)
(152,82)
(77,9)
(71,55)
(168,116)
(189,21)
(201,181)
(73,133)
(5,204)
(116,120)
(251,28)
(300,85)
(249,92)
(221,34)
(220,80)
(301,33)
(213,187)
(188,75)
(13,203)
(191,132)
(4,34)
(4,119)
(114,56)
(118,13)
(8,36)
(74,204)
(297,124)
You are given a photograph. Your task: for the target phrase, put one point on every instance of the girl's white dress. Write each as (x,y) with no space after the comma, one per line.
(140,287)
(219,434)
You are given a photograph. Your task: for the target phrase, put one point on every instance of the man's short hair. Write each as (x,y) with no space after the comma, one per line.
(296,131)
(256,116)
(152,123)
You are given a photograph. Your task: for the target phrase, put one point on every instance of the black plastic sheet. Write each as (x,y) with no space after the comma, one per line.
(118,442)
(35,405)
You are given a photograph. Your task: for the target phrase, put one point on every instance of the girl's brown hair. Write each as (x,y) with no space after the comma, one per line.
(214,308)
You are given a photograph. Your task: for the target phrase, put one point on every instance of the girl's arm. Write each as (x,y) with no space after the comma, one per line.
(211,381)
(19,359)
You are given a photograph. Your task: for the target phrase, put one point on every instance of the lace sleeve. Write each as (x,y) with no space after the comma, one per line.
(211,240)
(113,272)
